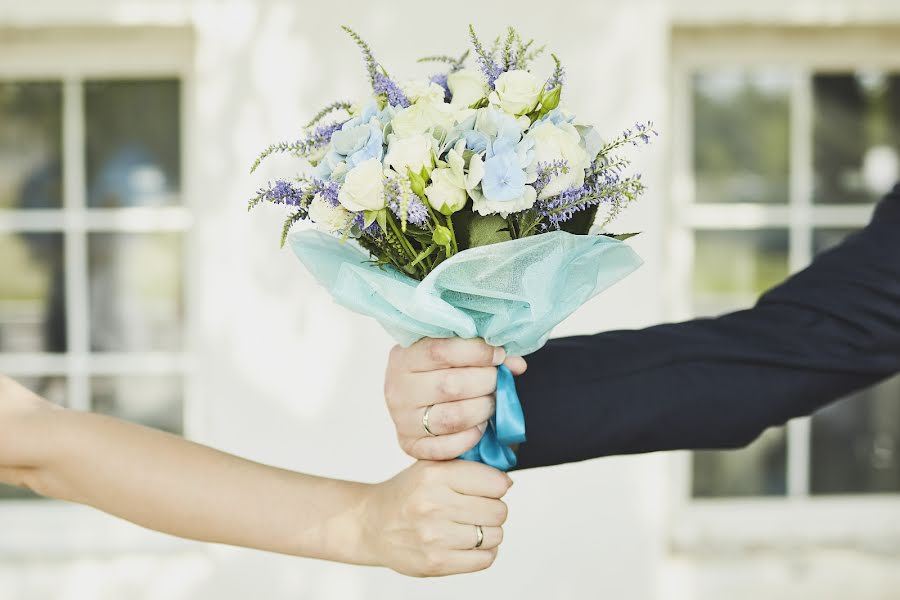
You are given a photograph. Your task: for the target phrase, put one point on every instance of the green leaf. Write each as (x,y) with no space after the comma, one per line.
(621,236)
(423,254)
(381,217)
(487,230)
(369,217)
(441,236)
(581,222)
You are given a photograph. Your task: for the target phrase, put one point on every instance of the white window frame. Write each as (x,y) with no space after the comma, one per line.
(797,520)
(71,56)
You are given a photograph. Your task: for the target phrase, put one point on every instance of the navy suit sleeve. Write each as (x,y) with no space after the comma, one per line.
(829,330)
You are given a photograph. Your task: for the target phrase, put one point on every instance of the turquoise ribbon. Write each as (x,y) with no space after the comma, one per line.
(506,427)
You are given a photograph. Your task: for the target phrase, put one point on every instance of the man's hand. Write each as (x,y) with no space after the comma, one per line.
(458,378)
(423,522)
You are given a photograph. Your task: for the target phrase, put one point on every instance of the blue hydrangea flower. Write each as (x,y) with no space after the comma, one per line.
(504,177)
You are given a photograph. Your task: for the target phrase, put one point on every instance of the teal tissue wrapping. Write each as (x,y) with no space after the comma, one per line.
(511,294)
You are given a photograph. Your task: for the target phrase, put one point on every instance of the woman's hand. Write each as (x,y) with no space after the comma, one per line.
(21,412)
(423,522)
(457,378)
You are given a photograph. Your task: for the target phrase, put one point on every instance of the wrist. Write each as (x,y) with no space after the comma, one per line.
(366,535)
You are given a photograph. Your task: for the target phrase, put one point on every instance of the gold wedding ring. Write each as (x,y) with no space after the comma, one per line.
(480,533)
(425,421)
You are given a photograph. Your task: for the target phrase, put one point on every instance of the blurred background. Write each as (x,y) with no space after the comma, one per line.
(133,283)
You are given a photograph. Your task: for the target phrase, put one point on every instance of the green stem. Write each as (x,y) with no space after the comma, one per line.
(404,243)
(452,234)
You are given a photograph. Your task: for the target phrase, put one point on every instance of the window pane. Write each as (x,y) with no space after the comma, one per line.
(732,268)
(54,390)
(741,135)
(135,292)
(857,136)
(856,442)
(155,401)
(760,469)
(32,293)
(30,145)
(132,141)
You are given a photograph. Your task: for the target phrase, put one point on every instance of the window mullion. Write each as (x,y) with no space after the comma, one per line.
(77,324)
(801,234)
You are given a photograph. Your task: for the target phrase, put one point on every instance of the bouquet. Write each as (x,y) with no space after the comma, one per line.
(462,204)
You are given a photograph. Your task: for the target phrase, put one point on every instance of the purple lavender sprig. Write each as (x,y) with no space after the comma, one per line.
(327,190)
(405,205)
(333,107)
(641,133)
(378,78)
(559,74)
(387,87)
(281,192)
(605,187)
(318,138)
(485,60)
(546,171)
(441,80)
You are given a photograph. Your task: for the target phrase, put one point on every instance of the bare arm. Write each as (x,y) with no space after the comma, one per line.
(165,483)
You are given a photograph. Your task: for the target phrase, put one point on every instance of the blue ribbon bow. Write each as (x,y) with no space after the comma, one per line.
(506,427)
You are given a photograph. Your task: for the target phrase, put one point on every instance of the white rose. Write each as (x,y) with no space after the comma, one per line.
(422,89)
(363,187)
(412,152)
(558,142)
(443,193)
(466,87)
(517,92)
(328,218)
(424,116)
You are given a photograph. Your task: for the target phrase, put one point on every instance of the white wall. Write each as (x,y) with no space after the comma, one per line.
(286,377)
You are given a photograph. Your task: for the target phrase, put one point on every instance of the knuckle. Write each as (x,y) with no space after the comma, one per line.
(499,535)
(452,418)
(394,355)
(502,513)
(449,386)
(437,351)
(485,354)
(433,564)
(429,535)
(390,392)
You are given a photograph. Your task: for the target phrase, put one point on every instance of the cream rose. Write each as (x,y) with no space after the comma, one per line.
(363,187)
(422,89)
(328,218)
(466,87)
(424,116)
(558,142)
(414,152)
(517,92)
(444,193)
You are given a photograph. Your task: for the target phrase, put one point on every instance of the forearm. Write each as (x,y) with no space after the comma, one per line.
(716,383)
(165,483)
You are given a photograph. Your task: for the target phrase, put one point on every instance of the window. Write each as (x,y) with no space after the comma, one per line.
(782,148)
(92,227)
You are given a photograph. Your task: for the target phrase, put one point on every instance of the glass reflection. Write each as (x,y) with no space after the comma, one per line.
(741,135)
(30,145)
(732,268)
(760,469)
(32,293)
(856,145)
(154,401)
(132,142)
(135,292)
